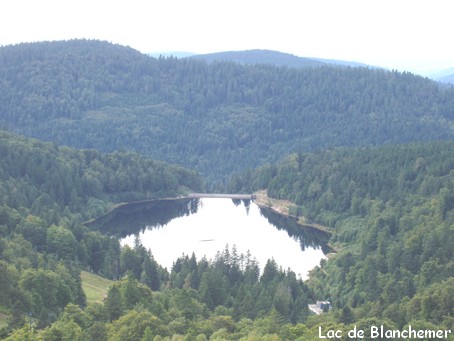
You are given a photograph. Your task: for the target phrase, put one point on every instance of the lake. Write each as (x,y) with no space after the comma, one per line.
(171,228)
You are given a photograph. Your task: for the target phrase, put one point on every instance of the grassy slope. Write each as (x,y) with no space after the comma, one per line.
(94,286)
(3,320)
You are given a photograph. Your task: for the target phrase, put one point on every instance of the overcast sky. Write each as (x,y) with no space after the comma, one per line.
(403,34)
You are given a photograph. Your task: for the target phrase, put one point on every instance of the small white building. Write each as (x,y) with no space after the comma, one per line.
(319,307)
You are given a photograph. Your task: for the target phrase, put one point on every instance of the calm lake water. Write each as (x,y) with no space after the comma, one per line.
(205,226)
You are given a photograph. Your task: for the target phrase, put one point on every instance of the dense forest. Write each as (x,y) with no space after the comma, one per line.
(391,210)
(216,118)
(251,57)
(42,175)
(276,58)
(367,153)
(48,192)
(392,215)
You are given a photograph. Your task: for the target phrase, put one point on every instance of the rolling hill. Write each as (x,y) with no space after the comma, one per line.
(390,207)
(216,118)
(251,57)
(448,78)
(444,76)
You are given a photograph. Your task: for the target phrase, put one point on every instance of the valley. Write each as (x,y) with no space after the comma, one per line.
(363,153)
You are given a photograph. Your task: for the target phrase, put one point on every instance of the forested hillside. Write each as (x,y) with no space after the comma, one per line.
(42,174)
(392,212)
(216,118)
(366,152)
(47,192)
(251,57)
(391,209)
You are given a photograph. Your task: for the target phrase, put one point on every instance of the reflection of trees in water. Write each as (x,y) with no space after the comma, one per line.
(246,203)
(136,217)
(307,236)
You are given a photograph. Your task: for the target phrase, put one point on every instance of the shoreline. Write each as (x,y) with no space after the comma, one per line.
(282,207)
(260,198)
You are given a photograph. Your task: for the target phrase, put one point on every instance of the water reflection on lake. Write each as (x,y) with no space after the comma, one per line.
(205,226)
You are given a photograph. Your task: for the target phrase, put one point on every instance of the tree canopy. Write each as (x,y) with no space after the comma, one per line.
(217,118)
(391,210)
(362,151)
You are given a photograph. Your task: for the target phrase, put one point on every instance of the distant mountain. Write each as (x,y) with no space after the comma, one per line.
(176,54)
(271,57)
(447,79)
(343,63)
(444,76)
(217,118)
(259,57)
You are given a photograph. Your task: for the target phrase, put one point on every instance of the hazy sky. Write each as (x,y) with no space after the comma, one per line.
(411,34)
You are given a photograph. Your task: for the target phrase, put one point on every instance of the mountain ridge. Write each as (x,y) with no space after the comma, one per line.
(444,76)
(277,58)
(389,202)
(215,118)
